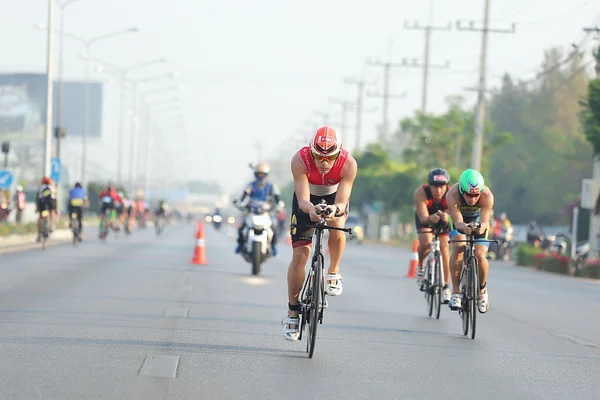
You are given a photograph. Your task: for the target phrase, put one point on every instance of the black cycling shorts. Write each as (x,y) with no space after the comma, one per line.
(46,203)
(304,237)
(106,206)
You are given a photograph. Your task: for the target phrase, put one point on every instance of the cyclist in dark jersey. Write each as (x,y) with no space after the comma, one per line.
(431,211)
(469,201)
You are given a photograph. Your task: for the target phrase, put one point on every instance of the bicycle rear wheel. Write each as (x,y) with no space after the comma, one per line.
(44,232)
(315,303)
(474,292)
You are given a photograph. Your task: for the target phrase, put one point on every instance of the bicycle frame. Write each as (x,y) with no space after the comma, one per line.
(311,304)
(431,275)
(469,281)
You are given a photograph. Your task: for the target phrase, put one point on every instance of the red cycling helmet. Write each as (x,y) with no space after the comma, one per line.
(325,142)
(46,181)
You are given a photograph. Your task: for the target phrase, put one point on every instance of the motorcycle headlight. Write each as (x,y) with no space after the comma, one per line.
(217,218)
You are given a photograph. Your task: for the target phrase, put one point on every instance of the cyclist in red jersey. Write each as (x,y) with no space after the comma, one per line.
(430,210)
(109,198)
(323,175)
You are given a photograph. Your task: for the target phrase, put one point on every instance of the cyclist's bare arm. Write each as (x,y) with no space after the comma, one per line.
(347,177)
(453,201)
(420,200)
(487,204)
(301,186)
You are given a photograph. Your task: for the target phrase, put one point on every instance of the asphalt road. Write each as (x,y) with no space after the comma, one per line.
(133,319)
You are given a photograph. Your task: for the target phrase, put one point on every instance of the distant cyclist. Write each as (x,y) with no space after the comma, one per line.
(77,201)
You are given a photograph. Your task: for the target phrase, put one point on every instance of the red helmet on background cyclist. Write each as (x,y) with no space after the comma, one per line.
(46,181)
(325,144)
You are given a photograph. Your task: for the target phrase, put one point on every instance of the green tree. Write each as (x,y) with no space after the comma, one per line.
(591,116)
(548,149)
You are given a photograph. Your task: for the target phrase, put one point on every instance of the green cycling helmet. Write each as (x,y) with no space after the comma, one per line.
(471,181)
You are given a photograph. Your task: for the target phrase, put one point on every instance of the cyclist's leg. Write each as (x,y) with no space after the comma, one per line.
(301,245)
(337,244)
(39,211)
(456,260)
(481,249)
(112,215)
(275,230)
(53,210)
(425,239)
(79,211)
(445,251)
(103,220)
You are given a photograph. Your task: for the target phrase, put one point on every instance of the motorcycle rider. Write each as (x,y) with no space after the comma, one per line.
(260,190)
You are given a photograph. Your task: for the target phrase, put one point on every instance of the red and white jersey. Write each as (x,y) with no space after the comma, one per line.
(323,184)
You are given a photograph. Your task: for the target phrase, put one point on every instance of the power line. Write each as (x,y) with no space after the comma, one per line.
(426,65)
(480,116)
(360,85)
(386,96)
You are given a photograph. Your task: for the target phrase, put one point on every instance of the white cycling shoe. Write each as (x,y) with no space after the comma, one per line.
(333,285)
(291,334)
(483,303)
(455,302)
(446,295)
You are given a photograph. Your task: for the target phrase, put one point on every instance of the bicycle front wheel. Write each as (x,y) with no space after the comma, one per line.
(315,303)
(473,292)
(437,286)
(427,275)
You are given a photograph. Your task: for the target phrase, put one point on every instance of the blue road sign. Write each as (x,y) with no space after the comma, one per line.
(6,179)
(55,168)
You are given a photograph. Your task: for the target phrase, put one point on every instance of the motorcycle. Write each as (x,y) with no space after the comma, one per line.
(501,250)
(217,220)
(4,212)
(257,234)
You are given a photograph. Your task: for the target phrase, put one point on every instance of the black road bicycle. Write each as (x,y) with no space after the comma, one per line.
(469,281)
(312,295)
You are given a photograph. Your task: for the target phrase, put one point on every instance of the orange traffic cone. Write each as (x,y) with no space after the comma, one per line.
(288,237)
(414,261)
(199,250)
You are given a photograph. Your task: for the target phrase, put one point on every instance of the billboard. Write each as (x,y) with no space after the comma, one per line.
(23,107)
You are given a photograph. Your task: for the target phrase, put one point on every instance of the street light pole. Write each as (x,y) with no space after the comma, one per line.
(59,106)
(49,87)
(86,100)
(122,76)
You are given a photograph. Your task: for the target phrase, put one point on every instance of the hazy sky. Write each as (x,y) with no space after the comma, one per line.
(258,70)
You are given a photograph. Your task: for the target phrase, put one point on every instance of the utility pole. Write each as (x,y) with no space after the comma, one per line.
(345,108)
(594,219)
(426,65)
(385,95)
(360,84)
(480,115)
(386,89)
